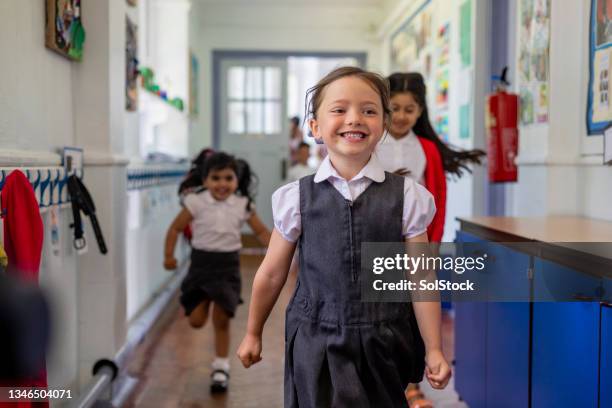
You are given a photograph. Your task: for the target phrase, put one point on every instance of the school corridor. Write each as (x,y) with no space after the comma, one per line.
(154,152)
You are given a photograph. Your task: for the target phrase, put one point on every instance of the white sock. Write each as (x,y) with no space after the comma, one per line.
(221,363)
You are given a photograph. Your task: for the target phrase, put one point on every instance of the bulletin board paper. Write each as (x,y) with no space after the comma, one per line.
(533,62)
(608,146)
(599,111)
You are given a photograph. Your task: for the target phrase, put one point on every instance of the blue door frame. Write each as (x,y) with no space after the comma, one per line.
(220,55)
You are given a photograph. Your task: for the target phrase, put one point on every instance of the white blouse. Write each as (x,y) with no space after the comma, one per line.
(419,207)
(407,153)
(216,224)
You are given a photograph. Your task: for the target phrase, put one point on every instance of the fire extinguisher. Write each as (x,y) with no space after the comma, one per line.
(502,132)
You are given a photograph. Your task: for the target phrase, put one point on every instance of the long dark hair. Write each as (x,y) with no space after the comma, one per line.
(454,161)
(193,180)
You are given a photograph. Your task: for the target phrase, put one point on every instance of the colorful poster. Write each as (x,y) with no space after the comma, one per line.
(410,43)
(443,45)
(441,125)
(526,105)
(64,29)
(442,89)
(599,109)
(533,60)
(465,33)
(131,65)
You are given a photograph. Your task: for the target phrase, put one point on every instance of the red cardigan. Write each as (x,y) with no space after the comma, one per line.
(435,182)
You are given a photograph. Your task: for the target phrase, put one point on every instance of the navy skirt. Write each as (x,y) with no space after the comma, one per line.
(213,276)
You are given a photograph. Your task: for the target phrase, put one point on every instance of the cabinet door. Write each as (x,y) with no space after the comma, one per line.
(565,354)
(470,352)
(507,359)
(470,345)
(605,359)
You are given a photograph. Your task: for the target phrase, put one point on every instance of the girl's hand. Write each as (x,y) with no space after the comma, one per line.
(437,370)
(249,351)
(170,263)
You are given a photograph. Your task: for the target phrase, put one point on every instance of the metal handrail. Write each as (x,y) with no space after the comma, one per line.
(104,373)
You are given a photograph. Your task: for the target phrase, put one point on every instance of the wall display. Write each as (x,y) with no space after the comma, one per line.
(410,43)
(149,83)
(465,33)
(64,29)
(441,126)
(194,74)
(599,111)
(442,82)
(443,44)
(464,121)
(131,65)
(533,62)
(132,3)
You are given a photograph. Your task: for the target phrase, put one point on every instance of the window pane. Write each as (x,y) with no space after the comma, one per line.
(235,119)
(235,82)
(254,87)
(272,83)
(254,117)
(272,117)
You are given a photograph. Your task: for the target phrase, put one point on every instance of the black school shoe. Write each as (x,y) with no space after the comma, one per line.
(218,385)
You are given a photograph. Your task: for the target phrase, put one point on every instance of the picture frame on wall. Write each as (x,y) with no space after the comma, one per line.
(131,65)
(599,108)
(64,32)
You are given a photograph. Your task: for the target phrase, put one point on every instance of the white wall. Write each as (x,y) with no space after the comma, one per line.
(341,26)
(36,102)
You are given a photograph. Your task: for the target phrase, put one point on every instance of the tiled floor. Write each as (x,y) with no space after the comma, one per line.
(174,365)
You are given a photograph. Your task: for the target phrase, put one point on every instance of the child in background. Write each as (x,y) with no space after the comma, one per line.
(218,214)
(296,136)
(412,148)
(301,167)
(340,351)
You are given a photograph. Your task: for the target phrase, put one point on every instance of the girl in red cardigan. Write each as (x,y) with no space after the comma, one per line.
(413,149)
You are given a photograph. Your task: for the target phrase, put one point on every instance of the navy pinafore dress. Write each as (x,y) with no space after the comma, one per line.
(339,351)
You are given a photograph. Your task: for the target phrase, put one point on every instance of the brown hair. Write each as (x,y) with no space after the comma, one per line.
(314,95)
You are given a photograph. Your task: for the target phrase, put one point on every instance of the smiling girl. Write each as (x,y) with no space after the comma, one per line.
(340,351)
(412,148)
(218,214)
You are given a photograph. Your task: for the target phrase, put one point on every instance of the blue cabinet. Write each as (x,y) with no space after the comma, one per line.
(605,358)
(552,352)
(470,345)
(565,354)
(470,352)
(507,365)
(492,338)
(565,337)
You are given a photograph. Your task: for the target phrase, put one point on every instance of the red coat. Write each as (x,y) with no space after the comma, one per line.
(23,240)
(435,182)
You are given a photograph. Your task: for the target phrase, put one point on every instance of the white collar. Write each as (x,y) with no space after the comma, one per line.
(210,199)
(410,137)
(372,170)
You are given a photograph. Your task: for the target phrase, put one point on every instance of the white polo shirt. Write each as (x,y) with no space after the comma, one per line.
(216,224)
